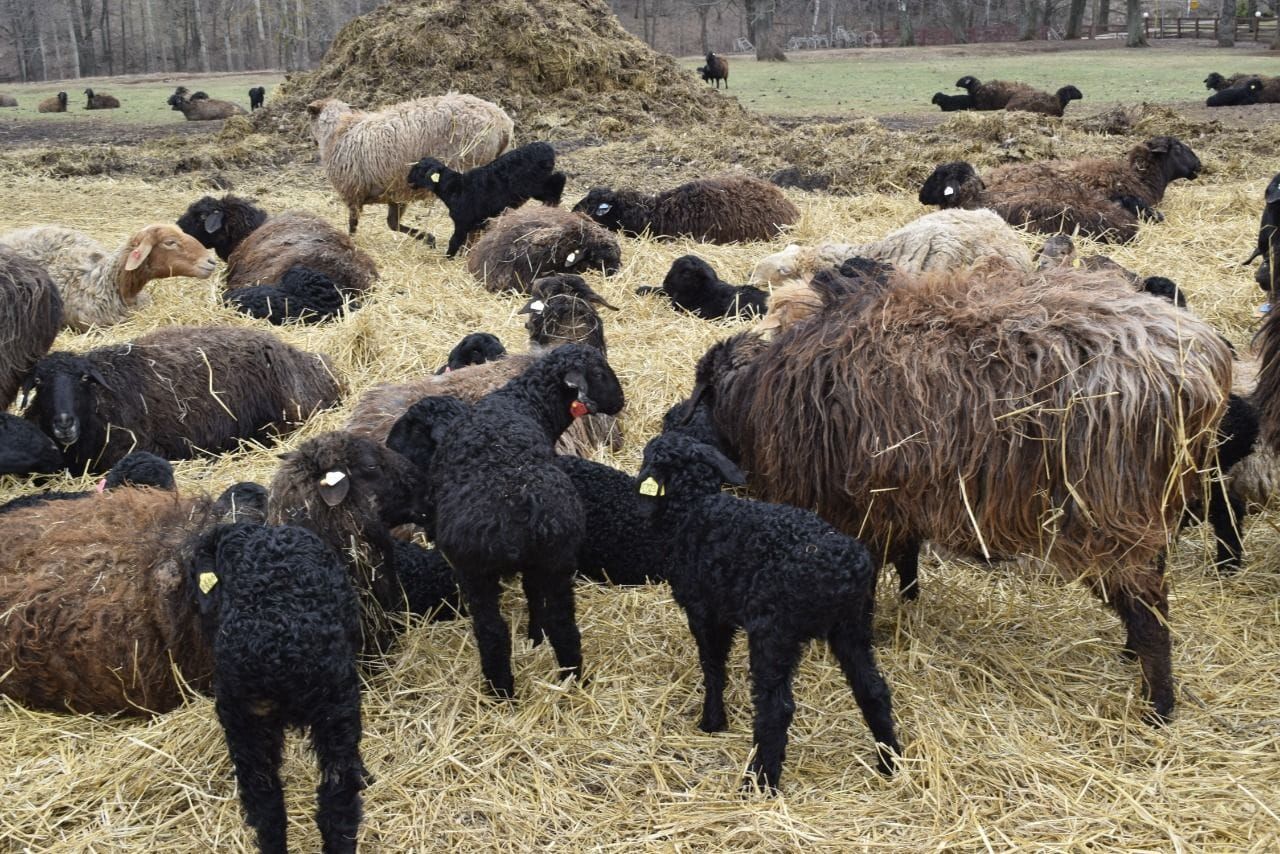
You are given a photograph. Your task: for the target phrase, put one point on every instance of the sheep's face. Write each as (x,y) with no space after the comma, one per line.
(1175,156)
(348,472)
(567,283)
(430,174)
(177,100)
(242,502)
(162,251)
(603,206)
(950,185)
(968,83)
(323,116)
(689,278)
(1214,81)
(1069,93)
(587,385)
(560,319)
(140,469)
(61,393)
(474,349)
(679,465)
(1272,194)
(24,449)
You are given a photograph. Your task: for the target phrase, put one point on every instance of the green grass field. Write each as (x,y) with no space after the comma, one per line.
(143,100)
(901,81)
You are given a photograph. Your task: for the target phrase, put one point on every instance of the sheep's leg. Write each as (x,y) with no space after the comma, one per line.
(459,237)
(536,598)
(353,218)
(1226,512)
(906,559)
(395,210)
(1145,614)
(850,642)
(559,622)
(336,739)
(492,635)
(714,641)
(773,661)
(256,744)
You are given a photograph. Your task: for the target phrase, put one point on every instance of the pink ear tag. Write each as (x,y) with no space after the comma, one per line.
(578,409)
(102,485)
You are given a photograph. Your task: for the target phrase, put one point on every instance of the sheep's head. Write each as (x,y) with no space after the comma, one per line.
(603,206)
(1169,154)
(938,98)
(1069,93)
(678,465)
(431,174)
(1254,85)
(1272,193)
(951,185)
(245,501)
(209,558)
(160,251)
(722,362)
(474,349)
(24,449)
(88,92)
(1215,81)
(567,283)
(775,268)
(220,224)
(179,98)
(689,279)
(1057,250)
(561,318)
(323,116)
(140,469)
(1159,286)
(60,395)
(583,382)
(62,99)
(968,83)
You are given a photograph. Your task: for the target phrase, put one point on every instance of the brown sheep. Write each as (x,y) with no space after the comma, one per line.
(532,242)
(558,314)
(98,101)
(197,109)
(1067,418)
(30,317)
(724,209)
(8,101)
(95,616)
(1269,94)
(1045,103)
(993,95)
(53,104)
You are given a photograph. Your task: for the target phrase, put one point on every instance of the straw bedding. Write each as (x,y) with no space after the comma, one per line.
(1020,721)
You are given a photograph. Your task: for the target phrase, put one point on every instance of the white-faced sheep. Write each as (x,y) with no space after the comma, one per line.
(724,209)
(366,154)
(778,572)
(561,312)
(529,243)
(206,109)
(503,506)
(176,392)
(53,104)
(100,287)
(280,616)
(965,409)
(30,317)
(508,181)
(100,100)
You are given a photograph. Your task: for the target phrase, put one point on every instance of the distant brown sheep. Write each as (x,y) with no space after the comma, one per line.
(994,94)
(1045,103)
(54,104)
(97,101)
(8,101)
(30,317)
(531,242)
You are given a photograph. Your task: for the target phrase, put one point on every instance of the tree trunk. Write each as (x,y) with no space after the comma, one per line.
(262,33)
(1029,25)
(75,47)
(1102,23)
(197,31)
(906,35)
(304,53)
(1133,12)
(124,38)
(147,36)
(1275,40)
(1227,24)
(84,32)
(703,12)
(957,12)
(57,53)
(104,23)
(1075,19)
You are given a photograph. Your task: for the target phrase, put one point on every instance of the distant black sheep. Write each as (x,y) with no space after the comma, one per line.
(952,103)
(257,95)
(474,349)
(303,295)
(510,180)
(716,69)
(1242,94)
(693,285)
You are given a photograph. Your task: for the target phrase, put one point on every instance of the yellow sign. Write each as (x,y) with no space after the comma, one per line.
(1195,4)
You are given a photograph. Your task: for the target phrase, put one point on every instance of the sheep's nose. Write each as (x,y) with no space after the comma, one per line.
(66,429)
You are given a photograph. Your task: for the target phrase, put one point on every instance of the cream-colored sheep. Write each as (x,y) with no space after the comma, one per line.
(367,154)
(100,287)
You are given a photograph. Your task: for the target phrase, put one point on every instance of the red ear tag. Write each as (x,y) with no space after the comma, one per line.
(578,409)
(102,485)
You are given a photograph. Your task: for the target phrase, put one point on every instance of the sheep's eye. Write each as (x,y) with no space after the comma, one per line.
(171,243)
(84,378)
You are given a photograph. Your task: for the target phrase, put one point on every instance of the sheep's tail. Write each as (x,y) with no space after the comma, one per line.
(1267,392)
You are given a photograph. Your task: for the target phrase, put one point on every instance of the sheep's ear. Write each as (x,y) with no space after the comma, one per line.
(287,456)
(139,253)
(1273,193)
(575,380)
(213,222)
(1159,145)
(603,208)
(729,473)
(314,108)
(334,487)
(533,306)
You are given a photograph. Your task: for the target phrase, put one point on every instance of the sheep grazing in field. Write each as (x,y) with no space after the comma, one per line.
(557,315)
(1268,236)
(100,287)
(94,617)
(282,589)
(952,103)
(475,348)
(25,449)
(716,69)
(257,97)
(364,154)
(100,101)
(725,209)
(529,243)
(197,109)
(998,457)
(1046,103)
(778,572)
(351,491)
(53,104)
(483,192)
(176,392)
(504,507)
(260,249)
(1243,94)
(136,470)
(693,286)
(30,317)
(8,101)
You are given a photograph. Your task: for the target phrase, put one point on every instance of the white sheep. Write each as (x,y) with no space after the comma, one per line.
(367,155)
(100,287)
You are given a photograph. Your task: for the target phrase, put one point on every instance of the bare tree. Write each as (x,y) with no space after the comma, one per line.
(1075,19)
(1227,24)
(1135,21)
(760,25)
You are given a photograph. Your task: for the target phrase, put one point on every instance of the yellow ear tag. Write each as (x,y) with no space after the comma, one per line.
(651,487)
(435,177)
(207,581)
(1076,262)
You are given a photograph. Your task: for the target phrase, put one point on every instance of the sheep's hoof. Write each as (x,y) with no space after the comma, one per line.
(1157,718)
(887,757)
(712,724)
(910,593)
(506,692)
(758,782)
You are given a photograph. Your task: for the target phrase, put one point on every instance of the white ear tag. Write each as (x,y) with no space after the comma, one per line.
(435,177)
(603,209)
(571,257)
(333,478)
(949,191)
(536,306)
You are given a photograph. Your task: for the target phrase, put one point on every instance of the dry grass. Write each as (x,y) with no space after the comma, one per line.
(1020,719)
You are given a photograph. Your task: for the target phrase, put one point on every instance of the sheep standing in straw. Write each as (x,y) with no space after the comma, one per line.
(367,155)
(1067,418)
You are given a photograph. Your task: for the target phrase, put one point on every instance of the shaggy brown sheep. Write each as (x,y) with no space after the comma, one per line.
(30,317)
(532,242)
(1046,103)
(993,95)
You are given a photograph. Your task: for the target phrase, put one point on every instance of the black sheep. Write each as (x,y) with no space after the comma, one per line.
(426,580)
(222,224)
(952,103)
(25,449)
(303,295)
(1241,94)
(692,285)
(282,619)
(780,573)
(257,95)
(475,348)
(504,507)
(619,546)
(510,180)
(137,469)
(1268,237)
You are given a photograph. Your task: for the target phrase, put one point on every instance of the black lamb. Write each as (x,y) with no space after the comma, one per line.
(282,619)
(257,96)
(1268,237)
(692,285)
(137,469)
(952,103)
(778,572)
(25,449)
(303,295)
(510,180)
(475,348)
(504,507)
(426,581)
(1241,94)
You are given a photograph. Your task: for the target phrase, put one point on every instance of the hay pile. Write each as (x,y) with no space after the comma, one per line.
(1019,716)
(559,67)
